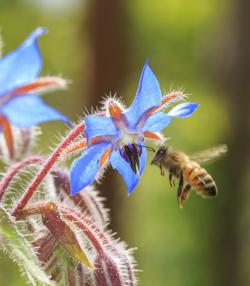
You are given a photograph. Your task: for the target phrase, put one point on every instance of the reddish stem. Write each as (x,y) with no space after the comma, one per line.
(71,276)
(76,217)
(46,168)
(87,201)
(95,236)
(83,224)
(45,246)
(12,172)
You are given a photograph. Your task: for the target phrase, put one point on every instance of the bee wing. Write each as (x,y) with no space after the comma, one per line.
(209,155)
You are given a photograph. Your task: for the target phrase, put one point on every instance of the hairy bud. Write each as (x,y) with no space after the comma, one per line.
(88,201)
(24,140)
(65,239)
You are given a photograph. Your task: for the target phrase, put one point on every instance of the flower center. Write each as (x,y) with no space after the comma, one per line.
(129,136)
(131,153)
(128,144)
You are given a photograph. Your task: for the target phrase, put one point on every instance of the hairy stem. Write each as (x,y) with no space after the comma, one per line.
(98,238)
(46,168)
(83,224)
(86,201)
(14,170)
(76,217)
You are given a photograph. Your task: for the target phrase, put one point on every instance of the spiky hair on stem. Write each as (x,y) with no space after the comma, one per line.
(70,234)
(88,201)
(24,139)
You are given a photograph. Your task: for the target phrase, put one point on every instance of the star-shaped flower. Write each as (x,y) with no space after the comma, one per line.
(118,135)
(18,83)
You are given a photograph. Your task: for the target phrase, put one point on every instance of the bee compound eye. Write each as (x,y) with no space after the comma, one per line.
(161,152)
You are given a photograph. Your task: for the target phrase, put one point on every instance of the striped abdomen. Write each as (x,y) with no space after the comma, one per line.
(199,179)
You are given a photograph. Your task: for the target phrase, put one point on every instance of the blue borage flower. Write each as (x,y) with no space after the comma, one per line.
(117,135)
(18,83)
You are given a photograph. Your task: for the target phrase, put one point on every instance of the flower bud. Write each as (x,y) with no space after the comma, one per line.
(88,201)
(23,138)
(63,233)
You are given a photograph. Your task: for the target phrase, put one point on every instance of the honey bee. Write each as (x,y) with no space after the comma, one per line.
(188,170)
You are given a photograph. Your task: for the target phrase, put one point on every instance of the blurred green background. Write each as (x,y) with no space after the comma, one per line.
(201,47)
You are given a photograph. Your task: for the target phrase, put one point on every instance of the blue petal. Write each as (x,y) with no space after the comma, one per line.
(99,126)
(21,65)
(156,122)
(148,95)
(124,169)
(29,110)
(183,110)
(84,169)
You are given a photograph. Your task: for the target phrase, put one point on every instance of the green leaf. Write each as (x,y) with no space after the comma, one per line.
(18,248)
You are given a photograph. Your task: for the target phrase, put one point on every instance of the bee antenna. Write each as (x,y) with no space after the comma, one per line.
(149,148)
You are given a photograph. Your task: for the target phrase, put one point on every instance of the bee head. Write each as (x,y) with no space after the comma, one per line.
(159,155)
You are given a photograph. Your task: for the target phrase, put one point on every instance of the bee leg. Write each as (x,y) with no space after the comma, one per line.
(162,170)
(179,192)
(184,195)
(170,179)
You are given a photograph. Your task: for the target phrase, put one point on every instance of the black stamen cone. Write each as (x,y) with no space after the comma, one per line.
(131,154)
